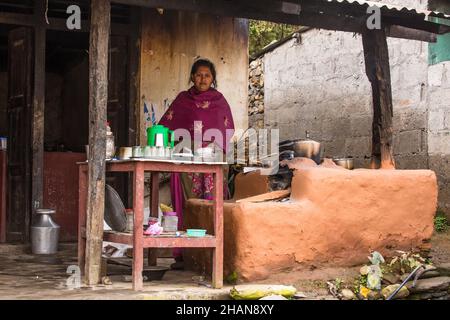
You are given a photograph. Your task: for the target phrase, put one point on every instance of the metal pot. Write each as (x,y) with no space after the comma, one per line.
(44,233)
(346,163)
(308,149)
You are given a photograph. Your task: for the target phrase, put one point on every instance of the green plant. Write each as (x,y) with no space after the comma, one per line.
(360,282)
(232,278)
(262,33)
(440,223)
(338,283)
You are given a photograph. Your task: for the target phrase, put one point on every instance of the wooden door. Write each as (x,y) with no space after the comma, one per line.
(118,88)
(20,93)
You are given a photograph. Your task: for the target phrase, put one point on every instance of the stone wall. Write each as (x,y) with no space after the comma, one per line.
(256,94)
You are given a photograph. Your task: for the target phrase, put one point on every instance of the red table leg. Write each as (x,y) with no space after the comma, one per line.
(82,208)
(217,272)
(138,235)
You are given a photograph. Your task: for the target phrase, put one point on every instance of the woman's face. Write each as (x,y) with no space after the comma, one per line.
(202,78)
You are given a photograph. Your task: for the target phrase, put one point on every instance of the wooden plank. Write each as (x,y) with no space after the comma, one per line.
(217,272)
(376,56)
(98,95)
(19,19)
(3,174)
(162,242)
(275,11)
(58,24)
(138,234)
(37,122)
(411,34)
(82,207)
(154,208)
(310,13)
(134,80)
(128,165)
(20,108)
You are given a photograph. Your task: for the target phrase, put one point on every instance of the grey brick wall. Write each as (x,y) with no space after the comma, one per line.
(320,85)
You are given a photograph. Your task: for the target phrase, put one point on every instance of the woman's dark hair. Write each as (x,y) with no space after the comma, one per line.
(204,63)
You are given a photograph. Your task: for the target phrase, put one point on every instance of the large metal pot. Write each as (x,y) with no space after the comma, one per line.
(346,163)
(44,233)
(308,149)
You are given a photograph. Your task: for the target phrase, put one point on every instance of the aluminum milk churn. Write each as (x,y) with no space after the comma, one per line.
(44,233)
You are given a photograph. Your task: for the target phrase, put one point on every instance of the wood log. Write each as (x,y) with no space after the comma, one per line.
(377,69)
(98,97)
(37,122)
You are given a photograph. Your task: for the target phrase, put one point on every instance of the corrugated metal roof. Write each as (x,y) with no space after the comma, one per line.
(394,8)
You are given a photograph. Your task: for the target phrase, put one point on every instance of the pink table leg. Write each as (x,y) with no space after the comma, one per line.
(138,236)
(217,272)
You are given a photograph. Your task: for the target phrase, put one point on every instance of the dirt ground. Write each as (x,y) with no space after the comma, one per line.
(27,276)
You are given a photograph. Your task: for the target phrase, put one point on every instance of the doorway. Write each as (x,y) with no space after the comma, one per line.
(66,118)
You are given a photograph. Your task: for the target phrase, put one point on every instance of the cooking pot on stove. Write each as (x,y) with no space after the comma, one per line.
(308,149)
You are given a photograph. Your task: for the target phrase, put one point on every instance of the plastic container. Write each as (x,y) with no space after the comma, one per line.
(110,146)
(130,220)
(170,222)
(196,232)
(152,220)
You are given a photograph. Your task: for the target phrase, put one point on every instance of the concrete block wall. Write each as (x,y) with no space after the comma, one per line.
(319,85)
(439,129)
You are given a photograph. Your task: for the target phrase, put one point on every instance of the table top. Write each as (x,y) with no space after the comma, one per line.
(159,160)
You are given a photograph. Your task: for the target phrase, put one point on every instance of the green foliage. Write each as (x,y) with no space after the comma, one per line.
(232,278)
(360,282)
(262,33)
(440,223)
(338,283)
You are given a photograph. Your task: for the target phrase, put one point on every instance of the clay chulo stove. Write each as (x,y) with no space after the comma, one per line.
(334,217)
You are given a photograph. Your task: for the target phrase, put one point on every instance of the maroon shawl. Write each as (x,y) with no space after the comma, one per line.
(209,107)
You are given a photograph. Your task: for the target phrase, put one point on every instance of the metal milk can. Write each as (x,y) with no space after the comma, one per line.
(44,233)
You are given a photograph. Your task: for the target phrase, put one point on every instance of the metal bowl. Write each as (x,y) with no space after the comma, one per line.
(154,272)
(346,163)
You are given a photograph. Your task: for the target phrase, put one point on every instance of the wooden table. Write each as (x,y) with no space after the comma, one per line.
(137,239)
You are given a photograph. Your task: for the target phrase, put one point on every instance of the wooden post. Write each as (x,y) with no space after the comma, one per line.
(376,56)
(138,235)
(98,97)
(217,272)
(152,258)
(37,122)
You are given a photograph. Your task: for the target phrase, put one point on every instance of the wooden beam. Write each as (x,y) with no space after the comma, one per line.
(274,11)
(37,120)
(58,24)
(98,97)
(411,34)
(19,19)
(134,49)
(376,56)
(310,13)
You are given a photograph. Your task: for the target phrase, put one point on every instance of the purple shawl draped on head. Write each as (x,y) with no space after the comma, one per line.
(209,107)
